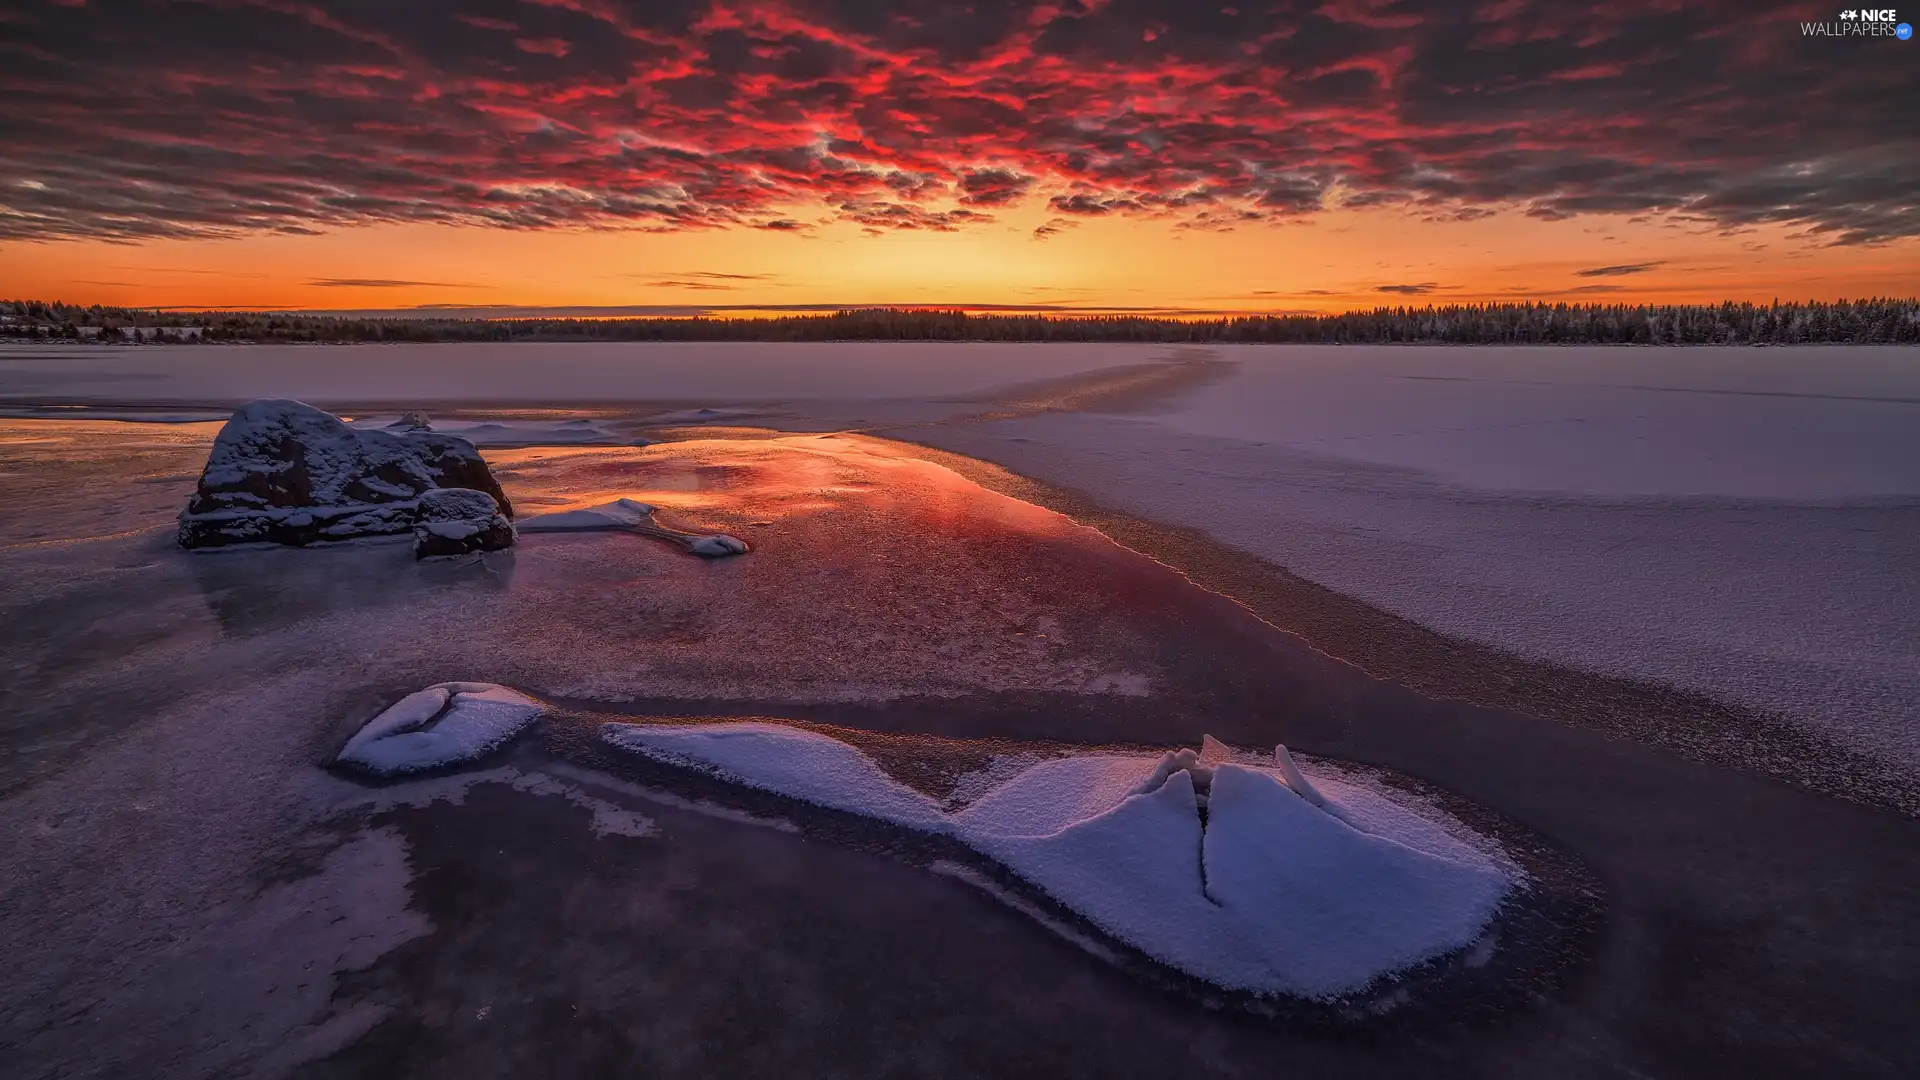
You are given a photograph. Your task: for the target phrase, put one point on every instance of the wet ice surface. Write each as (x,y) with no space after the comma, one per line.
(163,812)
(162,708)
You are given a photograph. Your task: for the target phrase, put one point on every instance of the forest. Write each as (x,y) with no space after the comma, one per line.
(1873,321)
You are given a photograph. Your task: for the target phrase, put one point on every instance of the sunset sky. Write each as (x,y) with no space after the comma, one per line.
(673,156)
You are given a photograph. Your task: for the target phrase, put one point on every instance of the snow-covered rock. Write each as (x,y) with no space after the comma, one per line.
(284,472)
(1271,891)
(630,515)
(414,420)
(458,521)
(445,724)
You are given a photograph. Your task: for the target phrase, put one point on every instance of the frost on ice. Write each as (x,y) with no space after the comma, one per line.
(445,724)
(629,515)
(284,472)
(1250,877)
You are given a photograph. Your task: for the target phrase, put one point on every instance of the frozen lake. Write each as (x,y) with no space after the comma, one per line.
(530,373)
(1739,522)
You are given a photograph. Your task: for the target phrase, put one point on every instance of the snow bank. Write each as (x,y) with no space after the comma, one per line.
(618,514)
(1274,890)
(784,760)
(442,725)
(630,515)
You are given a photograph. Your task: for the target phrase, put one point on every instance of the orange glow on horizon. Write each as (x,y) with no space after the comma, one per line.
(1339,260)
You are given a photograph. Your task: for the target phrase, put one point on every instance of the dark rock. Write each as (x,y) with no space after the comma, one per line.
(284,472)
(457,521)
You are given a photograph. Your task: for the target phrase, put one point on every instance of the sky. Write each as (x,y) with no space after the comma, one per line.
(1167,156)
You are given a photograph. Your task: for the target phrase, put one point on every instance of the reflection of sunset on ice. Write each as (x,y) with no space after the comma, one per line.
(873,573)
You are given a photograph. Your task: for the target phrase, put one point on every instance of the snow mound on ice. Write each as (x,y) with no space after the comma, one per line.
(1274,890)
(618,514)
(630,515)
(784,760)
(717,545)
(444,724)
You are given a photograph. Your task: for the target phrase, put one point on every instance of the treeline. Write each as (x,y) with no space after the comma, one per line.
(1858,322)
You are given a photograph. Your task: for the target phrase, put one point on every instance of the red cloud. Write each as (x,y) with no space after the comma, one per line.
(269,115)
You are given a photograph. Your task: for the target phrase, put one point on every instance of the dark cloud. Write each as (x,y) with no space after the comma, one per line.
(133,119)
(1422,289)
(993,187)
(383,283)
(1053,227)
(1617,271)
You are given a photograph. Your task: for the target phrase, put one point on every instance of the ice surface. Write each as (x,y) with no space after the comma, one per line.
(1269,894)
(521,373)
(1789,423)
(1740,522)
(473,719)
(576,432)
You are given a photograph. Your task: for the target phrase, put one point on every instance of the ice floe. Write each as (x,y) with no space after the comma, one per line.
(629,515)
(445,724)
(1251,877)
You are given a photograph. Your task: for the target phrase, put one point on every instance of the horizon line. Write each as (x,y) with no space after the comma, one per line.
(512,312)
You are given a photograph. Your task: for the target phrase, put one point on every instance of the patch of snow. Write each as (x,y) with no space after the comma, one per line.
(786,761)
(1052,795)
(442,725)
(717,546)
(632,516)
(1002,768)
(618,514)
(1269,892)
(1354,902)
